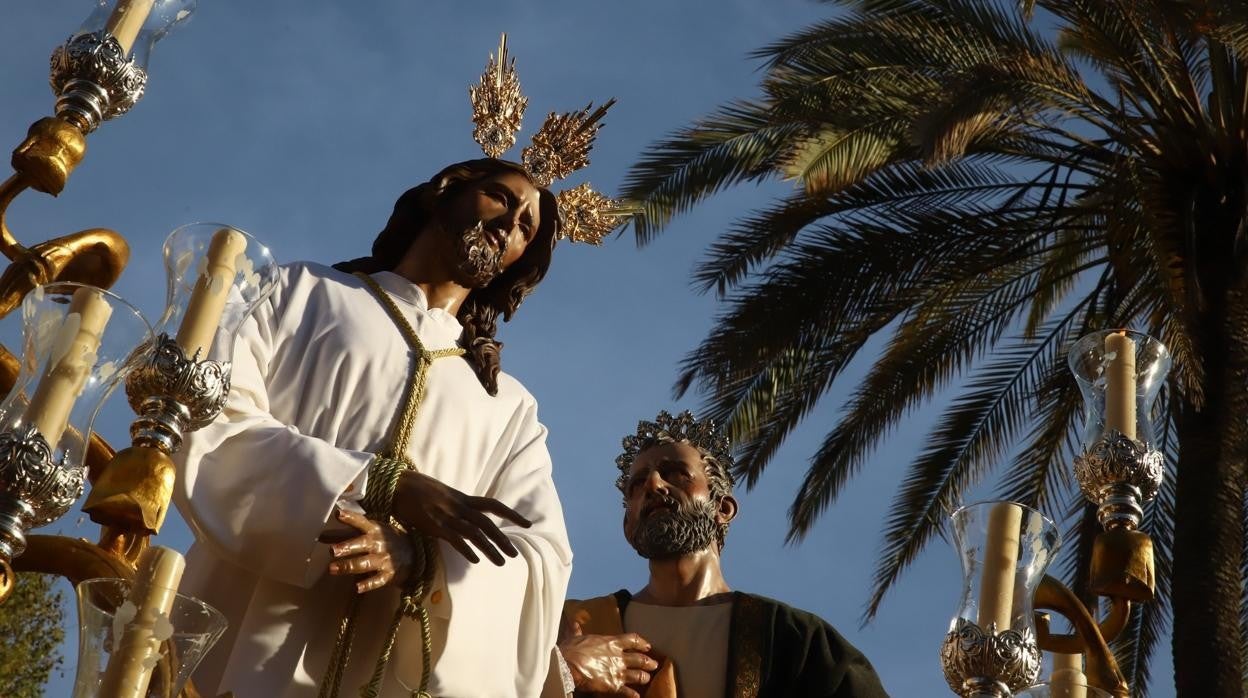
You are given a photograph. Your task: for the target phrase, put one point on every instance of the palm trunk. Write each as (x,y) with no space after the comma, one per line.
(1208,538)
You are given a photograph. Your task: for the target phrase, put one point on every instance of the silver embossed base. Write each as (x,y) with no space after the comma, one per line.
(1119,475)
(981,664)
(93,80)
(173,394)
(34,490)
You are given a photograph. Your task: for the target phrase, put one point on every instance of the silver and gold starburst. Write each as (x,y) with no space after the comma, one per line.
(588,216)
(497,104)
(561,146)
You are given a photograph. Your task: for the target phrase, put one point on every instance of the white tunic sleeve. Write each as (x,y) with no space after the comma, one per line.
(527,592)
(529,487)
(266,490)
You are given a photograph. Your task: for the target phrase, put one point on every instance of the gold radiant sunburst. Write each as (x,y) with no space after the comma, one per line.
(562,145)
(559,148)
(497,104)
(588,216)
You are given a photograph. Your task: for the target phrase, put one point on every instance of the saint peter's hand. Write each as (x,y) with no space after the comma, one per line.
(423,504)
(381,552)
(606,664)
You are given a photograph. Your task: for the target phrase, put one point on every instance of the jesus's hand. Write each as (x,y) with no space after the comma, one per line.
(381,552)
(427,506)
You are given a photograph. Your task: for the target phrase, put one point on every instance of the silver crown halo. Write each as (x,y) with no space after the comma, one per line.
(702,434)
(559,148)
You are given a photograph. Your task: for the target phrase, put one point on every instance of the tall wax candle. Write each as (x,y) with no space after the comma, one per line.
(996,590)
(1120,384)
(1067,679)
(126,21)
(212,288)
(73,355)
(129,670)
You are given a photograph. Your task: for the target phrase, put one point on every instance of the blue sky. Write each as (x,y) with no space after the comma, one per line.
(300,121)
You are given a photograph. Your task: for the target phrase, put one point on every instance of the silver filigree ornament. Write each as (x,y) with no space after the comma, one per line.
(173,394)
(1119,475)
(93,80)
(987,663)
(34,490)
(703,435)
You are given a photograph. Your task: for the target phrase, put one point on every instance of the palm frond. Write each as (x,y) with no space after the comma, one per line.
(738,143)
(876,199)
(973,434)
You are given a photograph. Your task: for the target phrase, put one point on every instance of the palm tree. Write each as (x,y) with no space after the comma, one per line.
(978,183)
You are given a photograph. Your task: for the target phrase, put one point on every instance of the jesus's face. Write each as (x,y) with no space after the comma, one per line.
(489,224)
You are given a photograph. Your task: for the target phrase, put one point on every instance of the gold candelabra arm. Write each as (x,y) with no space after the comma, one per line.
(1089,638)
(95,256)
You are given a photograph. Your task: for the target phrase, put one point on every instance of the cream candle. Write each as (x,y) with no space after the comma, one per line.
(996,591)
(126,21)
(137,650)
(1067,679)
(73,355)
(212,288)
(1120,384)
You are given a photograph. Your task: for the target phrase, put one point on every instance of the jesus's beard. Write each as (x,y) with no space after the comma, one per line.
(478,263)
(685,528)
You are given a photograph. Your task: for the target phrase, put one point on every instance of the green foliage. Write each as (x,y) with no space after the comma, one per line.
(978,183)
(31,633)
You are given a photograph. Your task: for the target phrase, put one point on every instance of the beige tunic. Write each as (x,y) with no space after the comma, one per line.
(318,375)
(695,638)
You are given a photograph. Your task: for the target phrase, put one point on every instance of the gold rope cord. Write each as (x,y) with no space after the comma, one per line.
(383,477)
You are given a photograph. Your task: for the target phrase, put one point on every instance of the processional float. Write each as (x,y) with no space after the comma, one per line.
(138,637)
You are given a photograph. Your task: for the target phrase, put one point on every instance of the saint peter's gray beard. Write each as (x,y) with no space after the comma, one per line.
(683,529)
(476,259)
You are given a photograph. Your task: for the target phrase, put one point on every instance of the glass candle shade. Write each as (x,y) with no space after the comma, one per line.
(100,72)
(1064,690)
(174,644)
(1119,373)
(75,349)
(196,265)
(137,24)
(1005,548)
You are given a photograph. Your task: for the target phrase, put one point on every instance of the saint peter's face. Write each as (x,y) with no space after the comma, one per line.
(669,511)
(491,222)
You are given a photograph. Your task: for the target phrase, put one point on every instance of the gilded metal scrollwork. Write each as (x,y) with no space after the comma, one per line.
(34,490)
(94,81)
(1117,458)
(1120,474)
(986,663)
(200,388)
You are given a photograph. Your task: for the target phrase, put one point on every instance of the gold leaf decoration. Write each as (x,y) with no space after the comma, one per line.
(588,216)
(562,145)
(497,104)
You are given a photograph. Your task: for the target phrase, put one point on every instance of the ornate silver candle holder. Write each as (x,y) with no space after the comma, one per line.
(42,477)
(982,663)
(1120,475)
(1119,373)
(991,649)
(35,490)
(173,394)
(94,80)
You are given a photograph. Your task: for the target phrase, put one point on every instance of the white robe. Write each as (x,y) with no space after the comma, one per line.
(319,371)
